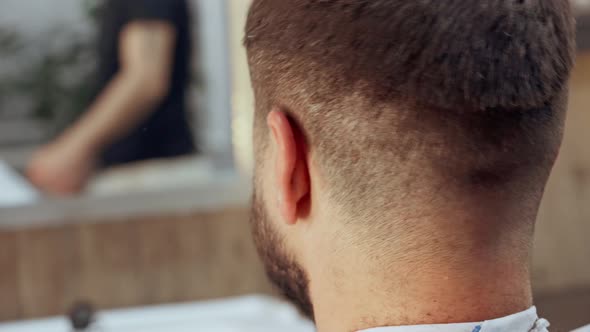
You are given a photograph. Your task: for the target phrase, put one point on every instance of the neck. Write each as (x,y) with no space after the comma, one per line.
(461,281)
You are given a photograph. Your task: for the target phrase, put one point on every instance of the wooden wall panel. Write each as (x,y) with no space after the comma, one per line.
(48,272)
(10,301)
(109,274)
(140,261)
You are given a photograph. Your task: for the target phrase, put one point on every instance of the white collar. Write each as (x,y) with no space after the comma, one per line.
(526,321)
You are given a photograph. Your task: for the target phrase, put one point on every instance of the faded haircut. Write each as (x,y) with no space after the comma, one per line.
(397,97)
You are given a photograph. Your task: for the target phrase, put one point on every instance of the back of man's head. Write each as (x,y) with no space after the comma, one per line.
(418,101)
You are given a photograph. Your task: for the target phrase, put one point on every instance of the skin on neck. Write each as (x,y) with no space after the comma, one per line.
(464,258)
(462,273)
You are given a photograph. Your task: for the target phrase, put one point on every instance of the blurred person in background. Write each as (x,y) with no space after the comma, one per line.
(139,110)
(402,151)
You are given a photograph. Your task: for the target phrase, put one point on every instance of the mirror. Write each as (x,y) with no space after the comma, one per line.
(108,97)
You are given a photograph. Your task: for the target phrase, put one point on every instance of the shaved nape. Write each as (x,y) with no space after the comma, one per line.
(405,100)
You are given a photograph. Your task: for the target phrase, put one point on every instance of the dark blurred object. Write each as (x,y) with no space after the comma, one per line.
(166,133)
(56,82)
(9,46)
(59,100)
(9,41)
(81,316)
(582,9)
(566,310)
(584,32)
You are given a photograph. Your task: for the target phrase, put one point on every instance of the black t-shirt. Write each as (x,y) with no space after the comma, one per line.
(166,133)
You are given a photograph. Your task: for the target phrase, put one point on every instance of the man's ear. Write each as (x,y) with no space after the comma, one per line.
(290,165)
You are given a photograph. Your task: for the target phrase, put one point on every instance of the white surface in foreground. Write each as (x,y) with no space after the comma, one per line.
(247,314)
(14,189)
(583,329)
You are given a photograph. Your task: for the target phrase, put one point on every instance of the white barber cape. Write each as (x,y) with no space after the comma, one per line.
(526,321)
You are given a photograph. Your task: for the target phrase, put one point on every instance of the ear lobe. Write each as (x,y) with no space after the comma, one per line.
(291,172)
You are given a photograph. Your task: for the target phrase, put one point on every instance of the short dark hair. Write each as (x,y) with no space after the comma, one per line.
(394,92)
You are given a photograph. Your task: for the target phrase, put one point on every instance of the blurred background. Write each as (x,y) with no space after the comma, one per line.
(170,228)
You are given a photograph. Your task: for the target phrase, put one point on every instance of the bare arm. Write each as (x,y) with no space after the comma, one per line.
(146,57)
(64,166)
